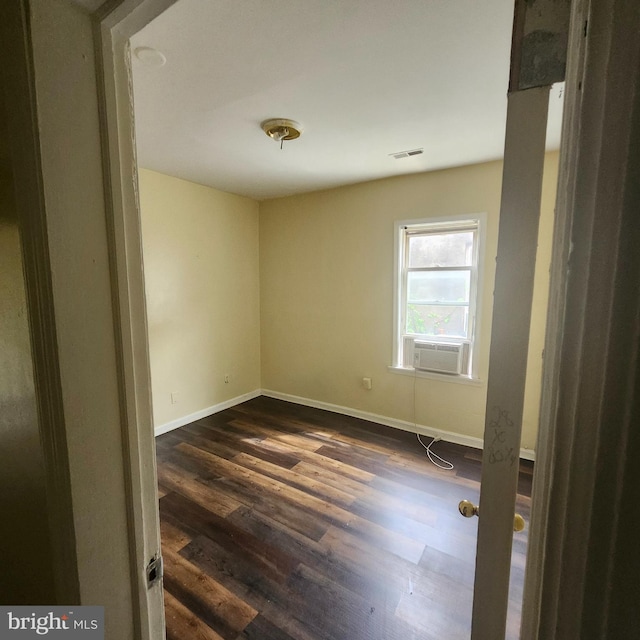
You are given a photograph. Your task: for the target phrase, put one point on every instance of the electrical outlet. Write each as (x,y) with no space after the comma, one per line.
(174,397)
(366,383)
(227,378)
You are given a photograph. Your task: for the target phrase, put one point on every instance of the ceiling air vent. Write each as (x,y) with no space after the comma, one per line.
(406,154)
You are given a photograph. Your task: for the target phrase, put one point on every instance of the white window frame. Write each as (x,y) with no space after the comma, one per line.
(402,231)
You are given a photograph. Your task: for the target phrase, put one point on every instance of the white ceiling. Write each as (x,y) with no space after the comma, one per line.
(365,78)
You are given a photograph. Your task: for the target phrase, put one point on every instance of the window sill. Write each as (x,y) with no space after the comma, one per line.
(432,375)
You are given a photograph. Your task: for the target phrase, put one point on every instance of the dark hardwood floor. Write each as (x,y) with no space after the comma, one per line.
(282,522)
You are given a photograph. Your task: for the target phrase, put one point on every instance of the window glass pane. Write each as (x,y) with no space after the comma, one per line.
(441,250)
(438,286)
(438,320)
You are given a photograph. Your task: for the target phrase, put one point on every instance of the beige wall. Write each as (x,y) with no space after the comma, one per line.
(313,315)
(202,288)
(326,276)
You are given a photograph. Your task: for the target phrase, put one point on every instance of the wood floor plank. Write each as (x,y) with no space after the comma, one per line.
(341,468)
(281,510)
(438,563)
(213,603)
(420,612)
(370,461)
(272,561)
(395,472)
(366,576)
(272,598)
(339,613)
(438,493)
(200,436)
(312,486)
(396,543)
(283,418)
(187,484)
(290,454)
(183,623)
(358,444)
(284,522)
(172,536)
(225,445)
(263,500)
(260,628)
(383,577)
(298,439)
(328,476)
(368,496)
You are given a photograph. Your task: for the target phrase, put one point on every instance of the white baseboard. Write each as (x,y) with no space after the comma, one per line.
(447,436)
(203,413)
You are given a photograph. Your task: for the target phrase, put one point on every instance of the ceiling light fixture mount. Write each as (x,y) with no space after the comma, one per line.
(281,129)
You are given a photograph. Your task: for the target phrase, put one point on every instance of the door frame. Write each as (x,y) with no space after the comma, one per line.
(581,578)
(114,27)
(115,23)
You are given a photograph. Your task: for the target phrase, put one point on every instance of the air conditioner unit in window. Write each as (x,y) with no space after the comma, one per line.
(441,357)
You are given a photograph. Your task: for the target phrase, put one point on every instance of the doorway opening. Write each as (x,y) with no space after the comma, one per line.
(175,396)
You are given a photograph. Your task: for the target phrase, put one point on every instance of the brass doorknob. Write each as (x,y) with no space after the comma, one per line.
(468,510)
(518,523)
